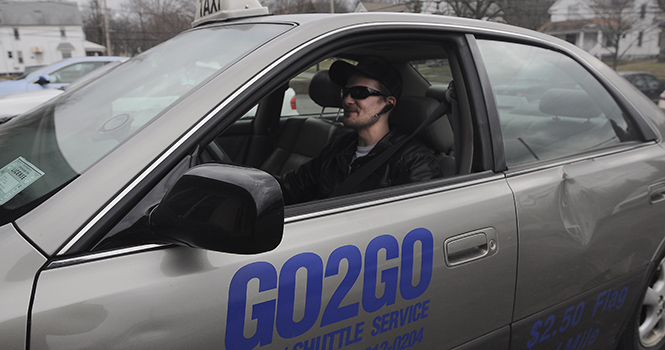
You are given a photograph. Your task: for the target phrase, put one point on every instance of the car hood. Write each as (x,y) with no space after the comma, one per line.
(12,86)
(18,103)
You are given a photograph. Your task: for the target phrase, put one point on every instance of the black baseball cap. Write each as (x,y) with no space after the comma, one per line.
(371,67)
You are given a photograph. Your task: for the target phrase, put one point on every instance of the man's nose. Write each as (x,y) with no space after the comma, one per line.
(347,100)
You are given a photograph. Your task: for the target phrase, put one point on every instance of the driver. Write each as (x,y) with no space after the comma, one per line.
(370,91)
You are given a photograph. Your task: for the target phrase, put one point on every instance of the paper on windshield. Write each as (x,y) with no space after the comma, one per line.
(16,176)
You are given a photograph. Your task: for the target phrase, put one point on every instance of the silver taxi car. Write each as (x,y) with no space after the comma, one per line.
(142,211)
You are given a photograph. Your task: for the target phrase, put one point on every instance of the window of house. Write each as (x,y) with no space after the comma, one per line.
(549,106)
(19,55)
(643,11)
(640,38)
(9,54)
(16,35)
(63,33)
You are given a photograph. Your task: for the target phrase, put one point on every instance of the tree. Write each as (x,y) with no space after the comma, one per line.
(615,18)
(531,14)
(478,9)
(158,20)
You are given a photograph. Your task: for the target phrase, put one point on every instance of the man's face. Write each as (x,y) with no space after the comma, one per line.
(359,113)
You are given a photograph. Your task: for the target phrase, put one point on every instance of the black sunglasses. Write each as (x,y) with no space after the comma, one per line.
(360,92)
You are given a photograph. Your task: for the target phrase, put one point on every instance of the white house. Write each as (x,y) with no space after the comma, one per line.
(576,22)
(40,33)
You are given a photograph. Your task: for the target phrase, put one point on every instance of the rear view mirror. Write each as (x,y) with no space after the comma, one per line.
(222,208)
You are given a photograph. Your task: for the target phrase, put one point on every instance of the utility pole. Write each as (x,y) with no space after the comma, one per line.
(332,6)
(109,49)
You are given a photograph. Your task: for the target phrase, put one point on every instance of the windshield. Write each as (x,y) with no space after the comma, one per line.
(45,149)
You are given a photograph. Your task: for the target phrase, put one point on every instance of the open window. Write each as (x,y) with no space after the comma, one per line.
(276,138)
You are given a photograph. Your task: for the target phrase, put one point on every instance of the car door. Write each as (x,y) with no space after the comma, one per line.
(389,273)
(582,175)
(430,265)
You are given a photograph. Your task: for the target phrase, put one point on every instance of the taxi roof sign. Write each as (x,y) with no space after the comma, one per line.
(221,10)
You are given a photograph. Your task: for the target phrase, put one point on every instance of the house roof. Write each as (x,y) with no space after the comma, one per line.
(39,13)
(380,7)
(572,26)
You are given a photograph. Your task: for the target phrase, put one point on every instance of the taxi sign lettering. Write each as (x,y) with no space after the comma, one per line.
(208,7)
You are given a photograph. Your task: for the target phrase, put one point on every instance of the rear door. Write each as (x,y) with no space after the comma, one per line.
(581,175)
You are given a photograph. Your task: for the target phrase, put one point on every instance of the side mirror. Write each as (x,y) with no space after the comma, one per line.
(43,80)
(222,208)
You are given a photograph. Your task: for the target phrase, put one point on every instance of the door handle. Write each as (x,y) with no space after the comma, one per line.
(470,246)
(657,193)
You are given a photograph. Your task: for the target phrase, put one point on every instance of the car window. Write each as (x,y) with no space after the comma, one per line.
(549,106)
(72,72)
(435,71)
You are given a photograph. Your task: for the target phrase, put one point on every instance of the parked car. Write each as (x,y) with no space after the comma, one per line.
(14,104)
(141,211)
(648,83)
(661,100)
(57,75)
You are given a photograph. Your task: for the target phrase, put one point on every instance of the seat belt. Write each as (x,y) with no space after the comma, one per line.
(351,182)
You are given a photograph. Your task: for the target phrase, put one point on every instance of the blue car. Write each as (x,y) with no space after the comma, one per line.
(57,75)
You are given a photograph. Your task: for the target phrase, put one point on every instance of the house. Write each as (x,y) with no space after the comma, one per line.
(40,33)
(578,23)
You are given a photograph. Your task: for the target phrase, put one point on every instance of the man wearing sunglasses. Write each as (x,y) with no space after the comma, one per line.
(369,90)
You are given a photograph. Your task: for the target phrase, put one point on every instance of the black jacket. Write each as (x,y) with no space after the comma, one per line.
(318,178)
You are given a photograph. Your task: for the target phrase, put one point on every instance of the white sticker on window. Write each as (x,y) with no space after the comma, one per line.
(16,176)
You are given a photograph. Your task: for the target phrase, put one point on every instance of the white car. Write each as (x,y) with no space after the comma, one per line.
(17,103)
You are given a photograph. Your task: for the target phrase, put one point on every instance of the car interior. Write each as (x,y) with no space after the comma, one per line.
(278,143)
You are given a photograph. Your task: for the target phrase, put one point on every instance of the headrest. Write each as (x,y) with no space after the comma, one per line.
(323,91)
(411,111)
(569,103)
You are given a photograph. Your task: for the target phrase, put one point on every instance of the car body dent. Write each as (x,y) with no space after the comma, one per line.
(20,264)
(596,204)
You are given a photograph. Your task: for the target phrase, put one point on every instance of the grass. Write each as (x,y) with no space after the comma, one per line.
(652,66)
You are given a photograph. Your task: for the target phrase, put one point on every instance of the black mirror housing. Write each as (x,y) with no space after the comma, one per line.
(222,208)
(43,80)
